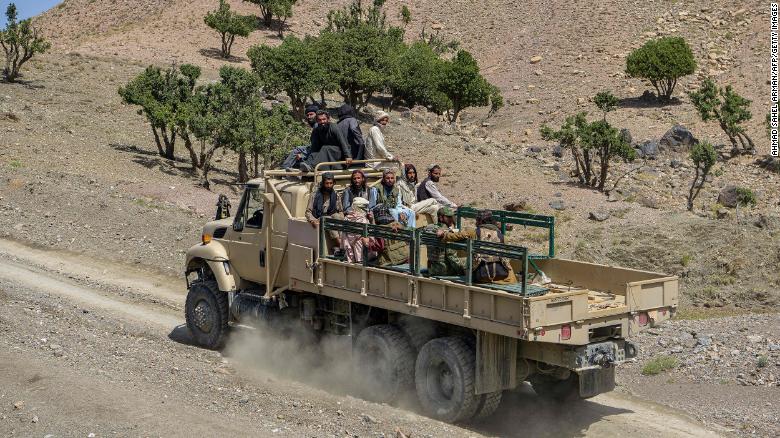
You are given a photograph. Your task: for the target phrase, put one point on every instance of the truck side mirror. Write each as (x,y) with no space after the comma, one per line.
(238,226)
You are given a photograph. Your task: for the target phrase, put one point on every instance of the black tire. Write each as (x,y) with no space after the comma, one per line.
(444,378)
(550,388)
(206,312)
(418,330)
(488,404)
(383,363)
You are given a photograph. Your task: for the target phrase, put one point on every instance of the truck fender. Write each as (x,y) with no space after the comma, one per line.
(214,255)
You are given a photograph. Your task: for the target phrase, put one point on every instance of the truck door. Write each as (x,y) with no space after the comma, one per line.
(247,249)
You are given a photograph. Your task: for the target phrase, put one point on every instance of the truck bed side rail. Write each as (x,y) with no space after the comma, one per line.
(419,237)
(504,217)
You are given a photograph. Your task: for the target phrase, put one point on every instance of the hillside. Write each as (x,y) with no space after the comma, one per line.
(583,49)
(81,181)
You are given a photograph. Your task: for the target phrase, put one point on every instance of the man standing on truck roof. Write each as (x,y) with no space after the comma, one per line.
(327,144)
(484,268)
(350,129)
(428,188)
(325,202)
(443,262)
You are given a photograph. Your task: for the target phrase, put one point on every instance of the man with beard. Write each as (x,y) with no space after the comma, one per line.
(407,185)
(298,154)
(390,197)
(375,141)
(429,190)
(327,144)
(325,202)
(358,189)
(350,129)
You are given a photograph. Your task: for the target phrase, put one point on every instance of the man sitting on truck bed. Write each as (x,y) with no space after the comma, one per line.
(485,268)
(389,252)
(325,202)
(444,262)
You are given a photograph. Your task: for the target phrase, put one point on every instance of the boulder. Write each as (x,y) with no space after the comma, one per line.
(557,151)
(557,205)
(676,164)
(769,163)
(625,135)
(728,196)
(678,139)
(598,216)
(648,149)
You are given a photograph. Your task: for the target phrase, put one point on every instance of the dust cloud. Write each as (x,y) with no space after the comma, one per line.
(291,351)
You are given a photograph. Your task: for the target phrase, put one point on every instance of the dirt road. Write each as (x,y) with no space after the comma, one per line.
(94,348)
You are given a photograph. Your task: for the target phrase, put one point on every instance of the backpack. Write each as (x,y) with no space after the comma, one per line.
(488,268)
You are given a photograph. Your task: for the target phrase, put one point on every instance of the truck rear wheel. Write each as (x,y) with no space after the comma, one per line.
(206,312)
(384,363)
(549,387)
(444,377)
(419,330)
(488,404)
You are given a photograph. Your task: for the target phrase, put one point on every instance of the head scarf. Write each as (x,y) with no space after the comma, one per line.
(360,204)
(380,115)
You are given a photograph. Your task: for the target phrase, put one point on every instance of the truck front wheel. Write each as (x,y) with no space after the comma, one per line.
(444,377)
(206,312)
(383,363)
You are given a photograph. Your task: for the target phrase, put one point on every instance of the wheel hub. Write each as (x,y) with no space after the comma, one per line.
(203,316)
(446,381)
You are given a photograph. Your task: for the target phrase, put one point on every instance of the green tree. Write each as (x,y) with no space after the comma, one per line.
(606,102)
(228,24)
(662,62)
(20,41)
(729,109)
(589,141)
(280,133)
(406,15)
(415,78)
(357,50)
(281,9)
(465,87)
(293,67)
(703,156)
(163,97)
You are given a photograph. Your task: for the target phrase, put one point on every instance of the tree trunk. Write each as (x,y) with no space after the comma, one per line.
(225,51)
(243,173)
(256,163)
(157,141)
(191,150)
(322,99)
(691,194)
(604,169)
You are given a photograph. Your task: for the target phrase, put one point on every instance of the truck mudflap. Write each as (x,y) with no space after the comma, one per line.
(595,381)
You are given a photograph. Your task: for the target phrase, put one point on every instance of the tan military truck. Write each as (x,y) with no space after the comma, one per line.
(563,326)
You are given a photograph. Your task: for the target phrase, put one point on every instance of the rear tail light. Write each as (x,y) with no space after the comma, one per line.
(566,332)
(642,319)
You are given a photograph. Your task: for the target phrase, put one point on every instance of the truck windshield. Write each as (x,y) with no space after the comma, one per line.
(252,208)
